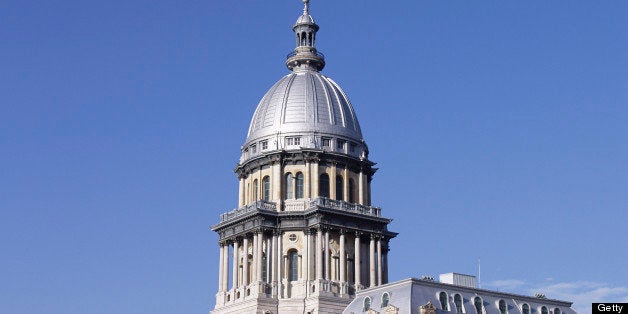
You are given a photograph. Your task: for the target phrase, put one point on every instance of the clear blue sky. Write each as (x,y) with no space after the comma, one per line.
(500,129)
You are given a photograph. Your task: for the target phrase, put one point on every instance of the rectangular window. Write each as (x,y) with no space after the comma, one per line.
(264,145)
(293,141)
(352,148)
(325,142)
(340,144)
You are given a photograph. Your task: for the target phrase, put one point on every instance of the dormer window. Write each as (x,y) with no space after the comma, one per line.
(325,142)
(293,141)
(264,145)
(340,144)
(253,149)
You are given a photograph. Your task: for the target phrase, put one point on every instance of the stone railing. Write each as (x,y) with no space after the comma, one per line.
(302,205)
(296,205)
(258,205)
(344,206)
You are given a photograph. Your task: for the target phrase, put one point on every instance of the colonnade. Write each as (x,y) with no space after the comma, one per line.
(314,261)
(249,191)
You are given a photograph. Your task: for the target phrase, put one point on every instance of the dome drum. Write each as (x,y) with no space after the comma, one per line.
(296,141)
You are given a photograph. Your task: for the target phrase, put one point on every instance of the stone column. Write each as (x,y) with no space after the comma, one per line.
(260,254)
(241,193)
(269,258)
(332,183)
(372,262)
(308,252)
(276,185)
(255,256)
(379,262)
(220,266)
(345,184)
(245,261)
(361,187)
(278,260)
(225,268)
(260,185)
(273,269)
(236,280)
(327,262)
(319,254)
(314,179)
(306,180)
(356,259)
(343,258)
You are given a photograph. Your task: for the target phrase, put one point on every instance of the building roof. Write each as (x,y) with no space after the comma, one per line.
(410,294)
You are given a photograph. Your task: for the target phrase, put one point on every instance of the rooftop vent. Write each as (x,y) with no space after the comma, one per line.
(427,278)
(458,279)
(540,295)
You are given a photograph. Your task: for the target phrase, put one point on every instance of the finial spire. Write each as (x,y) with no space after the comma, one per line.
(305,56)
(306,7)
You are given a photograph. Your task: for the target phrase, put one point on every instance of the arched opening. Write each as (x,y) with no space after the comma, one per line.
(502,307)
(458,303)
(289,183)
(309,39)
(385,299)
(544,310)
(323,185)
(351,191)
(477,302)
(293,265)
(367,304)
(442,297)
(303,39)
(339,188)
(556,311)
(266,185)
(299,185)
(525,309)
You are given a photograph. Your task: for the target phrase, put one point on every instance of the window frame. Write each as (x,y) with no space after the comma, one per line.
(266,188)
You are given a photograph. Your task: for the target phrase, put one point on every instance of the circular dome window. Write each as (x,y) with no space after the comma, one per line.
(292,237)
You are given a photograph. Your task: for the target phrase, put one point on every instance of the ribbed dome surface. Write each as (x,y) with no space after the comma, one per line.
(304,102)
(305,19)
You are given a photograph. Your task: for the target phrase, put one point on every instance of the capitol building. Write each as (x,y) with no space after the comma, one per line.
(306,237)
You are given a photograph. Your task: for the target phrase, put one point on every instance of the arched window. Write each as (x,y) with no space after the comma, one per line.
(458,303)
(303,39)
(299,185)
(323,185)
(266,184)
(525,309)
(309,39)
(477,302)
(367,304)
(556,311)
(255,189)
(502,307)
(385,299)
(351,194)
(442,297)
(289,186)
(293,269)
(339,189)
(544,310)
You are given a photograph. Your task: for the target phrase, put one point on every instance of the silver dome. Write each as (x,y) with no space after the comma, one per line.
(309,105)
(305,19)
